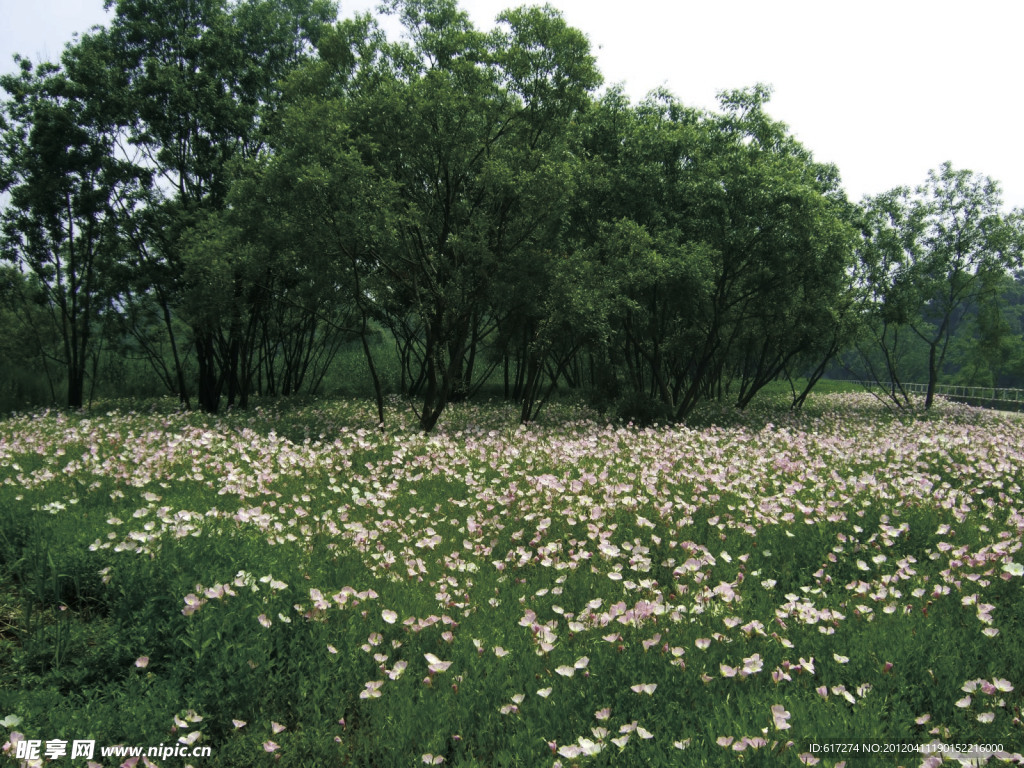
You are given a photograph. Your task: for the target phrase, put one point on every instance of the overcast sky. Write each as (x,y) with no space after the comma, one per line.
(885,89)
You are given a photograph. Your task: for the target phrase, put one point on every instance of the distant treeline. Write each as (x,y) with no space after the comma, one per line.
(235,192)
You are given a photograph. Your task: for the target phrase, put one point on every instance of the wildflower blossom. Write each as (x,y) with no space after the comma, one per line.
(434,664)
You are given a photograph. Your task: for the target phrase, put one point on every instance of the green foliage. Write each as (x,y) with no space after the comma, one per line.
(727,246)
(931,256)
(69,192)
(244,196)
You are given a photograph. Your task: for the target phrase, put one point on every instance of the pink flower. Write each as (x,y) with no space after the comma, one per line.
(648,644)
(190,738)
(270,746)
(319,601)
(1002,685)
(434,664)
(780,717)
(398,669)
(192,604)
(142,662)
(752,665)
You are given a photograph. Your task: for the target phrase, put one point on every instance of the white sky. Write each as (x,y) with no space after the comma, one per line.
(885,89)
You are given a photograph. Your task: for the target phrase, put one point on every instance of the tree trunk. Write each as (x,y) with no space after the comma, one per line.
(209,383)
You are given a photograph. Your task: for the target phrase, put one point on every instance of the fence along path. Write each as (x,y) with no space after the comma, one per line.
(1001,398)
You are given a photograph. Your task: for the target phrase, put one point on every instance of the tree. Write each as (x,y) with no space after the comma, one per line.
(456,139)
(932,254)
(28,346)
(193,83)
(69,194)
(992,347)
(728,243)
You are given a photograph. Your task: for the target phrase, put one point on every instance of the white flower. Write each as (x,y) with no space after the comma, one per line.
(1014,569)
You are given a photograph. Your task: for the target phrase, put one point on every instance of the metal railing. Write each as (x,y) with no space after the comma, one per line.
(993,395)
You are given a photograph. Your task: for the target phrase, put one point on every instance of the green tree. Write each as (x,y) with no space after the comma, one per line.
(992,344)
(934,253)
(728,243)
(484,187)
(193,82)
(28,345)
(70,191)
(443,175)
(883,284)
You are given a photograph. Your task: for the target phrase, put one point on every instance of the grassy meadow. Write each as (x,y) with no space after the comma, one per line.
(292,587)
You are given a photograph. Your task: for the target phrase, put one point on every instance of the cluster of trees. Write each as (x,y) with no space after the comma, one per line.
(236,189)
(940,264)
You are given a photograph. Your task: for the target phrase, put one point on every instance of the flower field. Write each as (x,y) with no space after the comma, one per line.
(293,587)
